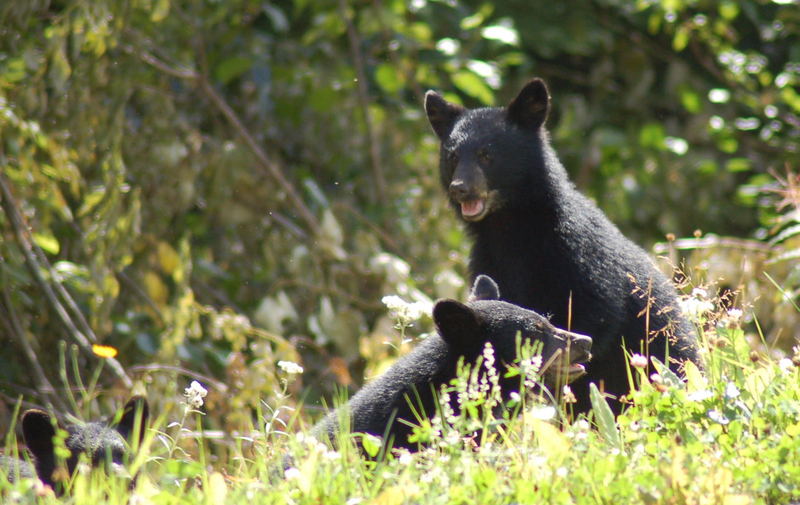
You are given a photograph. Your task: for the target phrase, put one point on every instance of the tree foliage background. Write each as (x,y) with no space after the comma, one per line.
(213,186)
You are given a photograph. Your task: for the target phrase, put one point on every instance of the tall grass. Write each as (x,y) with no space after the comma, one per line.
(727,435)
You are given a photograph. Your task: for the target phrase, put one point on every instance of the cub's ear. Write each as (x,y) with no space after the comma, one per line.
(38,432)
(484,288)
(441,114)
(529,109)
(457,324)
(136,406)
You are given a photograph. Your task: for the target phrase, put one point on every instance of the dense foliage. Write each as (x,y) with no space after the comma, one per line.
(211,187)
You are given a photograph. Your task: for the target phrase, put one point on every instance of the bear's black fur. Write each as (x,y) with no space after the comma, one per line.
(100,442)
(548,247)
(463,329)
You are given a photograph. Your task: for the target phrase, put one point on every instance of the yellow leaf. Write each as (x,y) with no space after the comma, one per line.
(217,490)
(168,258)
(156,288)
(551,440)
(104,351)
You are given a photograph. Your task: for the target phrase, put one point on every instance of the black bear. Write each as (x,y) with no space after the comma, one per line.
(100,442)
(548,247)
(387,405)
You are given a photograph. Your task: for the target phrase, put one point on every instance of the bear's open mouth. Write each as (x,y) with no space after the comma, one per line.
(473,209)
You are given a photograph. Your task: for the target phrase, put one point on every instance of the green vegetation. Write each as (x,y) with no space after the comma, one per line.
(211,188)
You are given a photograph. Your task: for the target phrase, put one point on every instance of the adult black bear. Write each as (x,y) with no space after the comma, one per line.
(99,442)
(463,329)
(548,247)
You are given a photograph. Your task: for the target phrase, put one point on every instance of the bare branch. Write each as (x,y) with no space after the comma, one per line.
(30,250)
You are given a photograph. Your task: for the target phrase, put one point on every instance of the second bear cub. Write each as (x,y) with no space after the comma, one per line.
(386,406)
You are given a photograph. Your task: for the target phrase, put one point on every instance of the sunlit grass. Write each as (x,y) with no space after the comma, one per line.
(727,435)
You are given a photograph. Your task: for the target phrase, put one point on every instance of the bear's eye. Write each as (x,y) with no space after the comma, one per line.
(484,156)
(451,156)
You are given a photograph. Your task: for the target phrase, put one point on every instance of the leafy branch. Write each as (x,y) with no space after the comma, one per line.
(272,168)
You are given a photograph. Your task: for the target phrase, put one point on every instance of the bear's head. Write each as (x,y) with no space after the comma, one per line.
(467,327)
(99,442)
(495,157)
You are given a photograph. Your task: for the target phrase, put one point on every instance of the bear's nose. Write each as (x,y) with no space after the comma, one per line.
(458,189)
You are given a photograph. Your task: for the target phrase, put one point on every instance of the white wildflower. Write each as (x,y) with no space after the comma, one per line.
(701,395)
(735,315)
(194,395)
(638,361)
(544,412)
(292,473)
(403,312)
(696,308)
(332,455)
(785,365)
(290,367)
(731,391)
(718,417)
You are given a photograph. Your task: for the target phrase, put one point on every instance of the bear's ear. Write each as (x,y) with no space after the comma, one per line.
(38,432)
(456,323)
(484,288)
(136,406)
(529,109)
(441,114)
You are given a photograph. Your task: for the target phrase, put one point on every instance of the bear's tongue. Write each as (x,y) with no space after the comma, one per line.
(472,208)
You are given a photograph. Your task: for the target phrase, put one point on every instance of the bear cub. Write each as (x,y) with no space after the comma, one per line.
(549,248)
(463,329)
(100,442)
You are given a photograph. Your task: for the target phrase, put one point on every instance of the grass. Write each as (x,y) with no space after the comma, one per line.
(729,435)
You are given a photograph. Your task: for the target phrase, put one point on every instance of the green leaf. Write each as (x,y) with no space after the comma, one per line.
(652,136)
(371,444)
(667,375)
(691,101)
(232,68)
(388,78)
(681,39)
(160,11)
(737,165)
(47,242)
(473,86)
(604,418)
(14,70)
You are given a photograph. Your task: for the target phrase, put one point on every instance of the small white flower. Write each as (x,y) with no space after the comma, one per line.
(695,308)
(332,455)
(582,425)
(405,313)
(638,361)
(701,395)
(290,367)
(404,457)
(718,417)
(562,472)
(544,413)
(785,365)
(731,391)
(515,397)
(292,473)
(194,395)
(735,314)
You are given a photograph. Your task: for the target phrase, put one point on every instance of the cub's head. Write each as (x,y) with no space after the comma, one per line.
(488,155)
(467,327)
(101,443)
